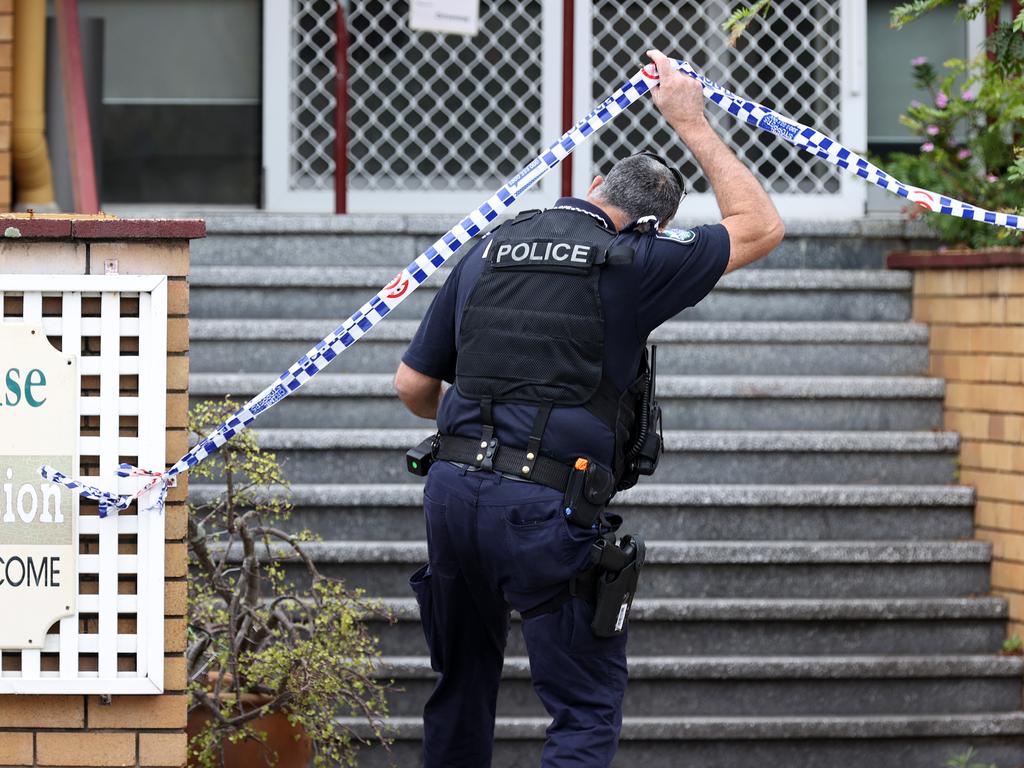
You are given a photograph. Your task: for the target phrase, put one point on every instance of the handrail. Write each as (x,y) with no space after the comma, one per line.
(76,108)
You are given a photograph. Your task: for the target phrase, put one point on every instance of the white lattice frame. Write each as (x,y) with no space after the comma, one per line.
(150,406)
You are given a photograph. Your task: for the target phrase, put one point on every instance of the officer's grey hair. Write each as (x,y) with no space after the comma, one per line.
(640,186)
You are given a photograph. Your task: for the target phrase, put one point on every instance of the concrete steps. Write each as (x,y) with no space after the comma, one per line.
(737,686)
(689,402)
(725,569)
(303,240)
(714,348)
(774,627)
(780,294)
(813,597)
(871,741)
(714,457)
(394,511)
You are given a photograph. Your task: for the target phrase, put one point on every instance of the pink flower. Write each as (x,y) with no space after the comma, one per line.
(967,96)
(941,100)
(917,61)
(927,147)
(963,154)
(991,178)
(932,130)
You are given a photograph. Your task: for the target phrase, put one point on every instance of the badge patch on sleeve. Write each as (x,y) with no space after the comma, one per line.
(684,236)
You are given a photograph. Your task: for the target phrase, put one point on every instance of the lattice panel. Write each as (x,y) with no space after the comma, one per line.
(427,112)
(789,61)
(118,328)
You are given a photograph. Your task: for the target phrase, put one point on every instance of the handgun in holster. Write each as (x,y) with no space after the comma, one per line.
(617,572)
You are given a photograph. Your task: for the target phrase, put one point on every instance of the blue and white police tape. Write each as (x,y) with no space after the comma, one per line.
(371,313)
(424,265)
(831,151)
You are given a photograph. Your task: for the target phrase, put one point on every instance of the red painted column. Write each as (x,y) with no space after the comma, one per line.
(568,51)
(76,107)
(341,111)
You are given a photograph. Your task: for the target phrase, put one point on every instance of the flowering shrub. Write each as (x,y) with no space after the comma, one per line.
(970,128)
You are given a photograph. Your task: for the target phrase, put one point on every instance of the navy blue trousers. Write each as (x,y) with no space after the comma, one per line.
(497,544)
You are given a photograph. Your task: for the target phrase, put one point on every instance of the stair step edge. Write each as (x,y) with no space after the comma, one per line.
(768,728)
(762,668)
(696,553)
(650,494)
(669,386)
(785,609)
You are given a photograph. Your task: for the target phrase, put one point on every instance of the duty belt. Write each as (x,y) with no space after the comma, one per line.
(491,456)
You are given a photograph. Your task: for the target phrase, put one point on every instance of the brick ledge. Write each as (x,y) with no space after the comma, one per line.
(74,228)
(956,259)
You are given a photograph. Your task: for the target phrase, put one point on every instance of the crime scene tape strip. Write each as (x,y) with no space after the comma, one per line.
(818,144)
(424,265)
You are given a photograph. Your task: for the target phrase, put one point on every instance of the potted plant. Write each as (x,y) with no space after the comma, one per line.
(273,659)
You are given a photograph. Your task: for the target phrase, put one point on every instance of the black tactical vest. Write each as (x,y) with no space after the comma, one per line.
(532,329)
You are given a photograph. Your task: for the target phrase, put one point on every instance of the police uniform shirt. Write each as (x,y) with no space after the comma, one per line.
(670,272)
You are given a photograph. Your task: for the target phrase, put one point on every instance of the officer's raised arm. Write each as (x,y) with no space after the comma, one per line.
(748,214)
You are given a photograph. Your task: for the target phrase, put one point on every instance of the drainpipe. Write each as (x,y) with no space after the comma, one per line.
(33,179)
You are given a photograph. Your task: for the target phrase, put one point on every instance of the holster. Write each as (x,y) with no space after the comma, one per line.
(616,587)
(609,584)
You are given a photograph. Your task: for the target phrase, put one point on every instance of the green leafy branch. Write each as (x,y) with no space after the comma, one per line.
(740,19)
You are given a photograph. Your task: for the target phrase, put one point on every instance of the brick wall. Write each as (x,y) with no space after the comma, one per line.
(6,101)
(976,317)
(130,730)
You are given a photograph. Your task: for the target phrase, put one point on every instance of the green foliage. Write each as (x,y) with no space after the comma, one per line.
(971,130)
(740,19)
(966,9)
(1013,646)
(972,126)
(305,649)
(969,125)
(966,760)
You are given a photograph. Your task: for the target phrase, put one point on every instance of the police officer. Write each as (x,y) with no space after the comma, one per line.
(540,327)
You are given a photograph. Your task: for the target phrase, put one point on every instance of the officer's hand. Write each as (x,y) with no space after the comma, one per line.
(678,97)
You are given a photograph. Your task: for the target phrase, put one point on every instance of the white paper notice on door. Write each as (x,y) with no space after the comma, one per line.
(453,17)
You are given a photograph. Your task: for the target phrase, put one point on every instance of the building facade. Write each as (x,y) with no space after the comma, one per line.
(233,101)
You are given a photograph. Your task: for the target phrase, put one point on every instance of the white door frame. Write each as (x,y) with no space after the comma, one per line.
(277,75)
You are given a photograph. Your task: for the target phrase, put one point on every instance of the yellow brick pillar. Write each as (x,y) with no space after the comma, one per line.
(973,303)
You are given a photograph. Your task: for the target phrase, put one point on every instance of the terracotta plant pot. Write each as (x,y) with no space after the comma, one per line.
(292,752)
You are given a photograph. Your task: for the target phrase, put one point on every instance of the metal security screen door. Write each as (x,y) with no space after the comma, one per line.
(117,326)
(805,59)
(436,122)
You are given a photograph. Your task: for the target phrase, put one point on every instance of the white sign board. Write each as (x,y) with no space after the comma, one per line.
(38,425)
(455,17)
